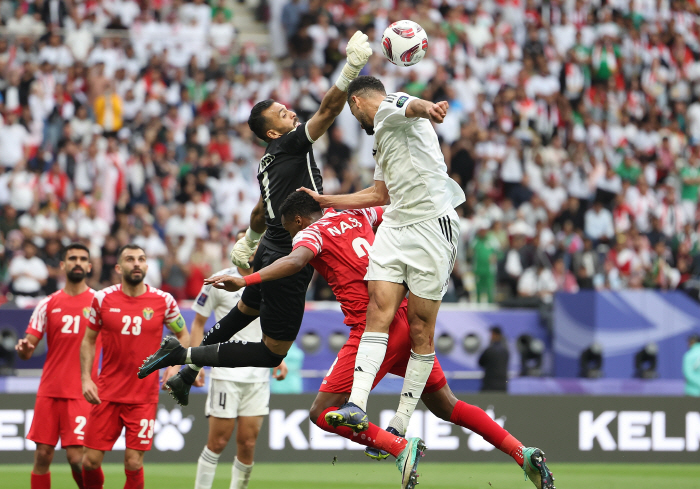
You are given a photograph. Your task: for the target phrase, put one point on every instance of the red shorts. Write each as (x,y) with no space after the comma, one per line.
(56,417)
(107,419)
(398,350)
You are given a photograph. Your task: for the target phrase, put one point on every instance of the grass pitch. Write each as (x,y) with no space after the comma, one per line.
(384,475)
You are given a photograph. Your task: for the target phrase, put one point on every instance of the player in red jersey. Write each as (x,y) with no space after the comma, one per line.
(60,410)
(130,318)
(336,244)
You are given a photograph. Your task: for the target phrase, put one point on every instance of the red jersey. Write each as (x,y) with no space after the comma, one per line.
(131,329)
(340,242)
(63,319)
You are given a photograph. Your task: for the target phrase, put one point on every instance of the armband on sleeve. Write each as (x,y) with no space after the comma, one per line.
(177,325)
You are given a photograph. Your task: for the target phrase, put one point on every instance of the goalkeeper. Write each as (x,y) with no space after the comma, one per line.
(288,164)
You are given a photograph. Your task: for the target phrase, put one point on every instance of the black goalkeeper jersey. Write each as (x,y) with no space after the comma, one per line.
(287,165)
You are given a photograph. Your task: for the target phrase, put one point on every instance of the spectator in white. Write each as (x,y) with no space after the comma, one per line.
(533,211)
(39,224)
(126,10)
(543,84)
(553,195)
(643,202)
(28,273)
(554,155)
(93,227)
(23,187)
(671,214)
(81,127)
(321,33)
(512,172)
(14,140)
(151,242)
(598,223)
(182,224)
(198,209)
(538,281)
(56,53)
(578,176)
(79,39)
(24,24)
(221,34)
(199,11)
(514,261)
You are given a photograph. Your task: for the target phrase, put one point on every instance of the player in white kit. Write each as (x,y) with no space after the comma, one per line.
(239,395)
(415,246)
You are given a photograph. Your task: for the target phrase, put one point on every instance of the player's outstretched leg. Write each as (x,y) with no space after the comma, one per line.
(376,453)
(407,462)
(170,353)
(446,406)
(180,384)
(230,354)
(348,415)
(536,469)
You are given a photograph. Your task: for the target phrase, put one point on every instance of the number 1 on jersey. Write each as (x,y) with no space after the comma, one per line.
(268,202)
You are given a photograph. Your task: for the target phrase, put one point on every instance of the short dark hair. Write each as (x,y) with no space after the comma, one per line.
(129,246)
(496,330)
(363,85)
(75,246)
(299,204)
(257,121)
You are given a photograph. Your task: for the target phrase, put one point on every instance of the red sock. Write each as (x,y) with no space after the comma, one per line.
(93,479)
(78,477)
(134,479)
(474,418)
(374,436)
(42,481)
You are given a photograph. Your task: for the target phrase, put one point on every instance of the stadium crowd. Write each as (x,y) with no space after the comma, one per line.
(573,126)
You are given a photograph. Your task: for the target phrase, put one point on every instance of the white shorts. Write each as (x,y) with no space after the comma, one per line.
(420,255)
(228,399)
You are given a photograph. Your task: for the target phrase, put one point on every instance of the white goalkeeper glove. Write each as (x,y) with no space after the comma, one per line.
(358,52)
(244,248)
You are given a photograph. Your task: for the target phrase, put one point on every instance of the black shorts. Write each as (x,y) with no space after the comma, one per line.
(280,302)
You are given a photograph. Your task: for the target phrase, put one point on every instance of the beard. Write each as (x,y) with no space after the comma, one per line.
(366,124)
(132,280)
(76,275)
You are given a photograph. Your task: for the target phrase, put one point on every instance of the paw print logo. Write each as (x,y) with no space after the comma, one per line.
(476,443)
(169,430)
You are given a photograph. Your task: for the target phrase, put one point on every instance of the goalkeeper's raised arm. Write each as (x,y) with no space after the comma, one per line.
(358,53)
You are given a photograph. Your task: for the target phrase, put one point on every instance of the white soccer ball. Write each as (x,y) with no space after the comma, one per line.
(404,43)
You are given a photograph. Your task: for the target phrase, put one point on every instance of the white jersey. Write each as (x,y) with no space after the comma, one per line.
(410,163)
(221,302)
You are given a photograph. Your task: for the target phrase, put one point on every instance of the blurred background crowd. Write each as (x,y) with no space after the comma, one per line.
(574,127)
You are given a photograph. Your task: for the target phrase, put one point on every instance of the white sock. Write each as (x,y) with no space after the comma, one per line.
(240,474)
(206,469)
(417,373)
(188,358)
(370,355)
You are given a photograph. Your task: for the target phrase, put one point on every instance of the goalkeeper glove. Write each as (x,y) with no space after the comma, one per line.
(244,248)
(358,52)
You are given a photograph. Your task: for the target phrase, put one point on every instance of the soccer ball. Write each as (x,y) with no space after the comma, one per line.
(404,43)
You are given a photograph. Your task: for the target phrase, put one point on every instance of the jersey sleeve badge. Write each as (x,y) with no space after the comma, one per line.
(202,299)
(401,101)
(147,313)
(86,312)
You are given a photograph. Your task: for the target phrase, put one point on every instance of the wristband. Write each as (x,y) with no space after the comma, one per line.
(347,75)
(252,279)
(252,235)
